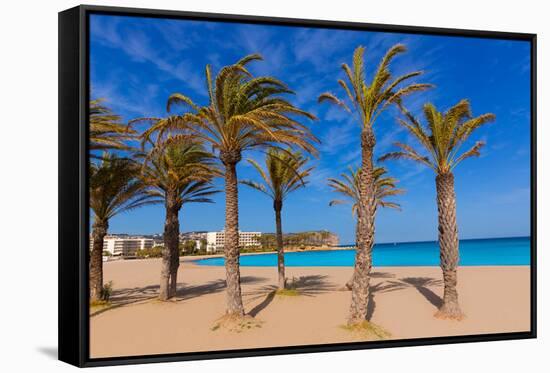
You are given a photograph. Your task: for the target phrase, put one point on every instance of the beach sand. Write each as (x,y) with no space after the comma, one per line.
(404,299)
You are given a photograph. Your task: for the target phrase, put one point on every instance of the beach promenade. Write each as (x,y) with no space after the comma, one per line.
(404,299)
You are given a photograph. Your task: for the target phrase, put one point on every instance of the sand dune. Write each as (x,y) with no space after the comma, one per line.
(495,299)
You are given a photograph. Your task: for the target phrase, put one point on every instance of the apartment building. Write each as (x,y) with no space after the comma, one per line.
(215,241)
(126,246)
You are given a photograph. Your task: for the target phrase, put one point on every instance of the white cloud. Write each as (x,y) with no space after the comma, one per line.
(261,40)
(321,47)
(137,45)
(138,101)
(338,136)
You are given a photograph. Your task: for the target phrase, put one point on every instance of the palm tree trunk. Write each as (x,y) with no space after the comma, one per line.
(365,232)
(96,259)
(278,205)
(175,245)
(170,255)
(448,244)
(349,284)
(174,266)
(231,248)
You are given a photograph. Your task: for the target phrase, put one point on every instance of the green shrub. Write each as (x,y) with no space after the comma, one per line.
(154,252)
(188,247)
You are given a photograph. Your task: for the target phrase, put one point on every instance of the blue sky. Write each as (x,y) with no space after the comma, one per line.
(136,63)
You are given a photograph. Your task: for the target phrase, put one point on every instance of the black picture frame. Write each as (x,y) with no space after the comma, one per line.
(73,191)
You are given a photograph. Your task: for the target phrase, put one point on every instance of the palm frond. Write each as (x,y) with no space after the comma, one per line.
(348,185)
(472,152)
(115,187)
(180,164)
(330,97)
(106,130)
(179,99)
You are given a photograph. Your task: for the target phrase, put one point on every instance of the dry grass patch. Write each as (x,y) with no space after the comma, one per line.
(236,324)
(367,331)
(287,292)
(98,304)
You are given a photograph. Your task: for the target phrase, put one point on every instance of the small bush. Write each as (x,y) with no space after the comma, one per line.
(106,291)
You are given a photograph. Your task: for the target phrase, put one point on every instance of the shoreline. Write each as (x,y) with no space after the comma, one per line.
(221,255)
(193,259)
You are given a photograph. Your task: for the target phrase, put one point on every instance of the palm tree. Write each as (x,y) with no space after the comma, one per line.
(443,138)
(244,112)
(367,102)
(114,188)
(177,173)
(348,186)
(284,173)
(106,129)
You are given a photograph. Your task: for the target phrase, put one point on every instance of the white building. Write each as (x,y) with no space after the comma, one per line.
(215,241)
(125,246)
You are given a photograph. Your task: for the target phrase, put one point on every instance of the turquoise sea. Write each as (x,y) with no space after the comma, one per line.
(478,252)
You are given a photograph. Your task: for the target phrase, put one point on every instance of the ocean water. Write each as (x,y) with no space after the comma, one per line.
(479,252)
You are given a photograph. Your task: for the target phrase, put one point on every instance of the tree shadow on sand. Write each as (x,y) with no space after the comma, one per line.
(421,284)
(377,274)
(136,295)
(381,287)
(347,285)
(305,285)
(128,296)
(190,292)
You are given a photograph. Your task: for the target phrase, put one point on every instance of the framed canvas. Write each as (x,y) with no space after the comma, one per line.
(234,186)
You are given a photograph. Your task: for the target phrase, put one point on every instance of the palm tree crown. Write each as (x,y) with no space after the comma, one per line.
(185,168)
(348,186)
(243,112)
(368,101)
(283,174)
(115,187)
(106,129)
(443,137)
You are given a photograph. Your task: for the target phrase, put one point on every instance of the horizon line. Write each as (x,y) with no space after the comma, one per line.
(460,239)
(339,245)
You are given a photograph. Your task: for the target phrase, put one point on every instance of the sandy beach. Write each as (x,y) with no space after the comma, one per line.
(404,299)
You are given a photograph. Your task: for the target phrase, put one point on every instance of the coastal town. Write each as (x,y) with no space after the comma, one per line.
(128,246)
